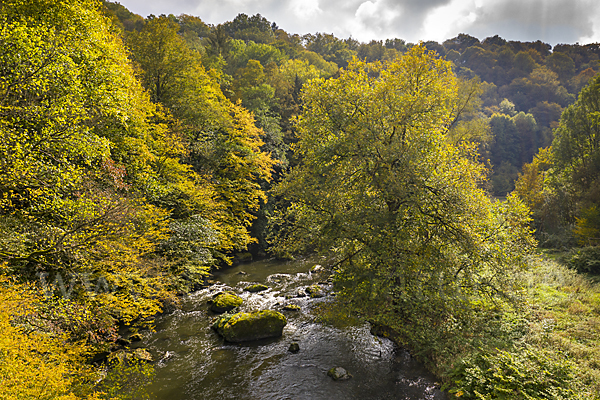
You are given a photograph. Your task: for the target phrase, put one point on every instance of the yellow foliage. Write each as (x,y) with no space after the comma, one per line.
(588,226)
(35,365)
(530,183)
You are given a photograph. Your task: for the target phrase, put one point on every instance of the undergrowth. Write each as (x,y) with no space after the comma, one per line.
(558,355)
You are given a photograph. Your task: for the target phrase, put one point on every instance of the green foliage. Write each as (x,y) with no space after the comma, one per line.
(242,52)
(570,185)
(521,373)
(331,48)
(383,189)
(122,17)
(584,260)
(562,64)
(192,245)
(255,28)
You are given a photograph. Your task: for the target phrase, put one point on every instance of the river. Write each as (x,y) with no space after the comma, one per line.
(194,363)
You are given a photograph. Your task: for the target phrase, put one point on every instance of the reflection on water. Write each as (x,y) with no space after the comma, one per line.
(194,363)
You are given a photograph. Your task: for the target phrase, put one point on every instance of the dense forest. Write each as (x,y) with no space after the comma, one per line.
(138,154)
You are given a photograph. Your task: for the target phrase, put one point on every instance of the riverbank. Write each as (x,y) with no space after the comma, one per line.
(544,345)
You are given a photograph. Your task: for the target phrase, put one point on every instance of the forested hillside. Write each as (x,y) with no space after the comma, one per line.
(137,154)
(517,92)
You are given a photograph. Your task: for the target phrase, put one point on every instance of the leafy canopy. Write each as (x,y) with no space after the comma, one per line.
(384,188)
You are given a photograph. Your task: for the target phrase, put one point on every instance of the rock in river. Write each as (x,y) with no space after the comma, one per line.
(256,288)
(339,374)
(225,301)
(244,327)
(314,291)
(294,347)
(142,355)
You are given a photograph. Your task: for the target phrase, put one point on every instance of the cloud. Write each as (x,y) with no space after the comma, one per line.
(377,19)
(305,9)
(551,21)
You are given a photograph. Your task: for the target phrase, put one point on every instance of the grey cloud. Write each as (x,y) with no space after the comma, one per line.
(553,21)
(414,13)
(387,19)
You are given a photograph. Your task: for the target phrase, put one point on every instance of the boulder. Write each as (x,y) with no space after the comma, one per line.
(339,374)
(314,291)
(225,301)
(294,347)
(291,307)
(142,355)
(244,327)
(317,268)
(257,287)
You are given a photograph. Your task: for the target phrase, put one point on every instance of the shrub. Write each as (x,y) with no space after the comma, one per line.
(518,374)
(585,260)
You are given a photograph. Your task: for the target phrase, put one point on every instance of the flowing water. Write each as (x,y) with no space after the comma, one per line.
(195,363)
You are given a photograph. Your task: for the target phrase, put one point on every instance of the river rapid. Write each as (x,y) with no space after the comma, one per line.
(194,363)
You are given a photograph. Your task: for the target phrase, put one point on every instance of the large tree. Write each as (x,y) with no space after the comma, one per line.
(382,188)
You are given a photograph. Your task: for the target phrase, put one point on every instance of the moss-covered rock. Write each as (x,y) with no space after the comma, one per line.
(314,291)
(142,355)
(257,287)
(244,327)
(291,307)
(339,374)
(225,301)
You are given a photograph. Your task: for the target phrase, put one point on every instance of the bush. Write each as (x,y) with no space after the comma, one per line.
(518,374)
(585,260)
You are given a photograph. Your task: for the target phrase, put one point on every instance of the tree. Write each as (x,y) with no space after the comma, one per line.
(255,28)
(218,42)
(163,55)
(80,157)
(524,61)
(563,65)
(576,150)
(506,140)
(461,42)
(222,143)
(395,204)
(331,48)
(36,365)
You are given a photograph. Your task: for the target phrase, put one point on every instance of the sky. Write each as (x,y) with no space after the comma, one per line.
(551,21)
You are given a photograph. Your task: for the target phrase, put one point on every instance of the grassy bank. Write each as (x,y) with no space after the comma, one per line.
(546,348)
